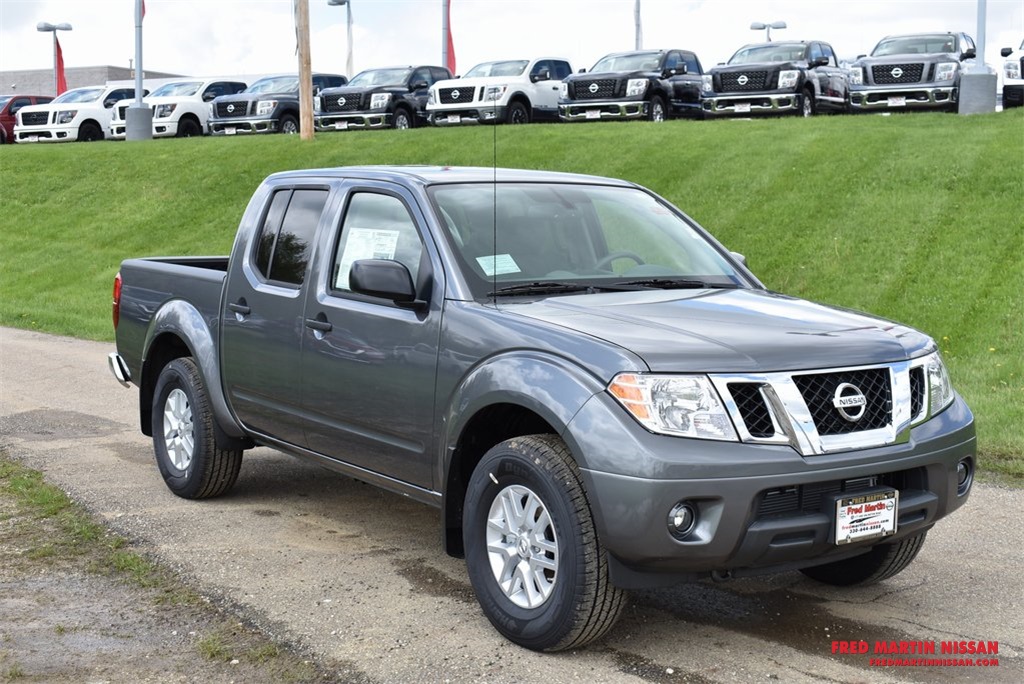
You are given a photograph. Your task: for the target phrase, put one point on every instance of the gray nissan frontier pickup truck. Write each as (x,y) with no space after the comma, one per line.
(596,394)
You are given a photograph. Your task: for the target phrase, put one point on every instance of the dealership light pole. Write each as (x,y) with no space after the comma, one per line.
(761,26)
(138,119)
(639,28)
(46,27)
(348,23)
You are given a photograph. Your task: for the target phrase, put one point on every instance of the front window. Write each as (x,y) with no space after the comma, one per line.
(381,77)
(275,84)
(635,61)
(574,236)
(80,95)
(511,68)
(771,52)
(916,45)
(183,89)
(4,100)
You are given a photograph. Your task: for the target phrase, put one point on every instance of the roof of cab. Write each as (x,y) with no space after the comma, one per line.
(435,175)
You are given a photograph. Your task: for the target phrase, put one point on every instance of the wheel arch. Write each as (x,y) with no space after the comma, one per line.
(191,116)
(92,122)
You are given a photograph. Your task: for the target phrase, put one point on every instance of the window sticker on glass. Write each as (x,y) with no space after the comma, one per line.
(498,264)
(365,243)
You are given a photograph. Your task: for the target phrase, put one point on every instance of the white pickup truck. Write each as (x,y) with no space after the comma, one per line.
(82,114)
(1013,78)
(512,91)
(180,108)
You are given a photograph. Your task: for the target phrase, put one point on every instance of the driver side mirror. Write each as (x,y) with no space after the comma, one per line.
(969,54)
(418,85)
(1006,52)
(818,61)
(679,70)
(383,278)
(109,102)
(208,97)
(542,75)
(582,71)
(739,257)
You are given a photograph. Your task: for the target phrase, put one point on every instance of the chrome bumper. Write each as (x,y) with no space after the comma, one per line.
(119,368)
(357,121)
(917,96)
(585,110)
(243,125)
(776,103)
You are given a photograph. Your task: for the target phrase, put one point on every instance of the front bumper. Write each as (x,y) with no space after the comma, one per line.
(466,116)
(1013,96)
(917,96)
(596,110)
(43,134)
(748,104)
(351,120)
(760,508)
(161,129)
(243,125)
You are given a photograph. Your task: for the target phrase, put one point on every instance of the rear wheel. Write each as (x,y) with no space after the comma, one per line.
(532,552)
(657,109)
(517,113)
(289,124)
(878,564)
(189,128)
(192,465)
(89,132)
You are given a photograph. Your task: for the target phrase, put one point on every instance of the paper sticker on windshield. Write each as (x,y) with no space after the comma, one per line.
(498,264)
(365,243)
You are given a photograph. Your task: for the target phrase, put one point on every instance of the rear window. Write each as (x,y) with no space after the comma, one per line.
(286,235)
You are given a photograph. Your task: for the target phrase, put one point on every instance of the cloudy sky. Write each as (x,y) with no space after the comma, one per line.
(207,37)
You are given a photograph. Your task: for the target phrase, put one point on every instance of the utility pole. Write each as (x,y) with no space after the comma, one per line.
(639,28)
(305,70)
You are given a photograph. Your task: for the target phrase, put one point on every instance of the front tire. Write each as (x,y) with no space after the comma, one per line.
(89,132)
(403,119)
(289,125)
(517,113)
(192,465)
(657,109)
(808,108)
(878,564)
(189,128)
(532,552)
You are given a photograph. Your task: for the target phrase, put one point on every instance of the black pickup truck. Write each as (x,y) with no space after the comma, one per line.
(651,84)
(270,105)
(794,77)
(394,97)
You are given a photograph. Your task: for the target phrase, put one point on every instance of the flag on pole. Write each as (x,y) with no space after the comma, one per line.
(62,83)
(451,43)
(143,9)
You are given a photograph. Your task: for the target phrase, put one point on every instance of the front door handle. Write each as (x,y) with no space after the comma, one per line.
(319,325)
(240,309)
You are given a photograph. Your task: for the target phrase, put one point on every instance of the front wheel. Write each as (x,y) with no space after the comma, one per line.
(657,109)
(89,132)
(402,120)
(517,113)
(192,465)
(289,124)
(189,128)
(880,563)
(532,552)
(807,106)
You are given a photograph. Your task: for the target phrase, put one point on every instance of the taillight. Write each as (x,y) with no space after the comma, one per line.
(117,300)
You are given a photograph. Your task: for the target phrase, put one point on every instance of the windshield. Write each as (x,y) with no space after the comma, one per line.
(772,52)
(636,61)
(183,89)
(275,84)
(4,99)
(586,235)
(513,68)
(915,45)
(381,77)
(80,95)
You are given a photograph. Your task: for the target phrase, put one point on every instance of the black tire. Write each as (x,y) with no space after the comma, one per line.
(289,125)
(656,109)
(89,132)
(808,107)
(581,604)
(517,113)
(210,471)
(878,564)
(189,128)
(403,119)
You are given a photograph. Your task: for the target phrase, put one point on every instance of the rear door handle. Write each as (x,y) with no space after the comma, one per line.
(240,309)
(319,325)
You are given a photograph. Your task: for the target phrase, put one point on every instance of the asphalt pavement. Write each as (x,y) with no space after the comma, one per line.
(357,577)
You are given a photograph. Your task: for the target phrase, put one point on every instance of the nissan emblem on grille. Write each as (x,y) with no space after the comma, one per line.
(742,80)
(850,402)
(897,72)
(455,94)
(593,87)
(231,108)
(341,102)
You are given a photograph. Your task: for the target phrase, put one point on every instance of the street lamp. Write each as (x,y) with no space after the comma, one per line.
(46,27)
(348,23)
(759,26)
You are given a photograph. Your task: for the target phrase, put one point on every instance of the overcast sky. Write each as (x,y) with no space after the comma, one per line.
(208,37)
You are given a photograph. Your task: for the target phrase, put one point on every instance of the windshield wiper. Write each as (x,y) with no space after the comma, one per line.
(678,284)
(541,287)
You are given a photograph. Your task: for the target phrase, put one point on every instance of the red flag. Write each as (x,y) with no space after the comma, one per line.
(451,43)
(143,9)
(62,83)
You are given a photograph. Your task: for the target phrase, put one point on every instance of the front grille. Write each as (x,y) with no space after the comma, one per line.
(456,95)
(752,408)
(811,498)
(897,73)
(341,103)
(819,391)
(34,118)
(228,109)
(916,391)
(594,90)
(744,81)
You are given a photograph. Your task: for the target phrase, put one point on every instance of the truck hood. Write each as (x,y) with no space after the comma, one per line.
(253,97)
(758,66)
(479,81)
(908,58)
(729,331)
(596,75)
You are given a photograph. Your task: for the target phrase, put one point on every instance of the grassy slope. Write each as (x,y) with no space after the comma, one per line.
(917,218)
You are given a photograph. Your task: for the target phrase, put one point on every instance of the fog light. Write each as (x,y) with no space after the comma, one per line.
(964,476)
(681,520)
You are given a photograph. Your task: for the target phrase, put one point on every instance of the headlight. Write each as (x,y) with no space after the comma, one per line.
(67,116)
(210,114)
(265,107)
(681,405)
(707,83)
(1012,69)
(431,97)
(945,71)
(317,103)
(940,389)
(494,93)
(563,91)
(165,110)
(788,78)
(856,75)
(636,87)
(379,100)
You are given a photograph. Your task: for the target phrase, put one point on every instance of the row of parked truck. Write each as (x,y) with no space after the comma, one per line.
(905,72)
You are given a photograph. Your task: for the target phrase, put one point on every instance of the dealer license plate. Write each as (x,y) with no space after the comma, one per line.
(897,102)
(340,125)
(32,138)
(454,118)
(866,516)
(230,130)
(742,107)
(593,113)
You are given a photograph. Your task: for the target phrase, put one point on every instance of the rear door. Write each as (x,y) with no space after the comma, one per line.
(369,365)
(261,339)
